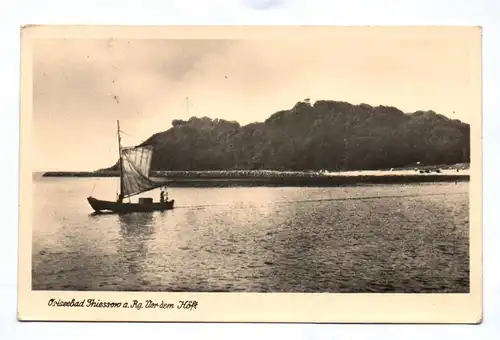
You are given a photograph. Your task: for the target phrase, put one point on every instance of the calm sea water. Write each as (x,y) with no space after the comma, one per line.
(384,238)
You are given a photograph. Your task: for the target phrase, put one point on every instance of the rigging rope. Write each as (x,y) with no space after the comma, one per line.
(326,200)
(132,136)
(92,191)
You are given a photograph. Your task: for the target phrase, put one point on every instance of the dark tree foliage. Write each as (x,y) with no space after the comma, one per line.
(328,135)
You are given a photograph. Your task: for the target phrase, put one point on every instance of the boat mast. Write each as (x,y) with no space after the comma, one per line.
(120,196)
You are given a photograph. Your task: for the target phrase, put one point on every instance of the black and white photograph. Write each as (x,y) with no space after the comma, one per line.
(252,160)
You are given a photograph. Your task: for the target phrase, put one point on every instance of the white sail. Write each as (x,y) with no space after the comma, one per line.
(136,165)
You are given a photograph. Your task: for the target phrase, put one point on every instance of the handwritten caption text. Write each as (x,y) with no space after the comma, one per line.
(136,304)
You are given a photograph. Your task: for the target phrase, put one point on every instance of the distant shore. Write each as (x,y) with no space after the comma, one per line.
(286,178)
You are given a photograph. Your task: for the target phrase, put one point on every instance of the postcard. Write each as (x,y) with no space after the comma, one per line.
(250,174)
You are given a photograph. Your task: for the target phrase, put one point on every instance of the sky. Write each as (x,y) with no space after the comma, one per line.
(81,87)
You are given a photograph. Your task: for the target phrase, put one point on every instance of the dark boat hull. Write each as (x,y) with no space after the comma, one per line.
(117,207)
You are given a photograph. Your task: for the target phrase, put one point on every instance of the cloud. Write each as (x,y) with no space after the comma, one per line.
(91,68)
(82,86)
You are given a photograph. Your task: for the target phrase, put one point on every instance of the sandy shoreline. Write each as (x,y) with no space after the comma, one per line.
(285,178)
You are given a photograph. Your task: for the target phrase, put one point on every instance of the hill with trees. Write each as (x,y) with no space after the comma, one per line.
(328,135)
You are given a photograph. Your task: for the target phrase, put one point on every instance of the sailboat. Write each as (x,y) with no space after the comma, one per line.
(135,166)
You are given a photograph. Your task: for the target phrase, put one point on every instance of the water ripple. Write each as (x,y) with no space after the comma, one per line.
(387,238)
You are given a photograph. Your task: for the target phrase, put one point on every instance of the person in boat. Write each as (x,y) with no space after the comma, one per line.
(162,196)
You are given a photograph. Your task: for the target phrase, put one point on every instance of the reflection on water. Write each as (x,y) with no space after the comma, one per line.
(136,230)
(388,238)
